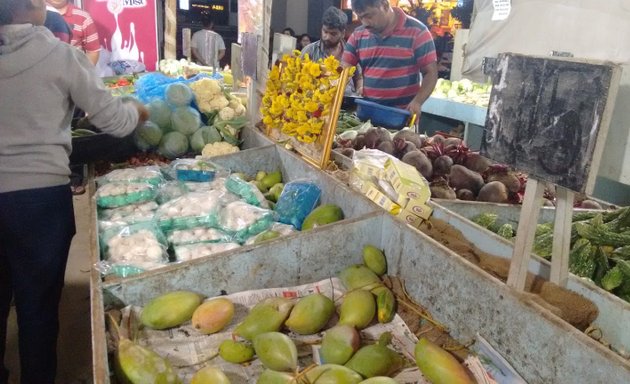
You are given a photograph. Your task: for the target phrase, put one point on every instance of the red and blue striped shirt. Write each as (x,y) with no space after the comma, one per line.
(392,63)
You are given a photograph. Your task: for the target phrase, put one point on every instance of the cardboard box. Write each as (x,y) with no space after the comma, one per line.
(382,200)
(411,218)
(407,182)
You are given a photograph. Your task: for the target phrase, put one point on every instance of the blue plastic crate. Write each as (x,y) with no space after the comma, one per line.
(381,115)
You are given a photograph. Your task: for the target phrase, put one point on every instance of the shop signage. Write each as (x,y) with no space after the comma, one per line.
(127,31)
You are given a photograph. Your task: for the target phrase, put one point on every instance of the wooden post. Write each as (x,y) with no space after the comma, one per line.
(562,236)
(525,234)
(170,29)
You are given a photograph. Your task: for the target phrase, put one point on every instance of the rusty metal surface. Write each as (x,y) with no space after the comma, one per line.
(614,313)
(541,347)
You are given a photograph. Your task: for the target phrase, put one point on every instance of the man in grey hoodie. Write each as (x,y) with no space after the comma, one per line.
(41,80)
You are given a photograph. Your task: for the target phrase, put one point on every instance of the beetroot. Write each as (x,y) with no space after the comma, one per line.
(401,148)
(386,146)
(590,204)
(509,179)
(409,135)
(442,165)
(371,138)
(465,194)
(420,161)
(463,178)
(493,192)
(476,162)
(441,190)
(454,141)
(347,152)
(359,142)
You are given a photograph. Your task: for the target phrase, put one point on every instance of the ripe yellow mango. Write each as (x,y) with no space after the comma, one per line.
(170,310)
(439,366)
(358,309)
(310,314)
(213,315)
(210,375)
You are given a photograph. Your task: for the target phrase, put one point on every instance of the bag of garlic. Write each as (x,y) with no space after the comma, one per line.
(195,251)
(150,174)
(118,194)
(243,220)
(194,209)
(142,246)
(197,235)
(247,191)
(276,230)
(126,215)
(171,190)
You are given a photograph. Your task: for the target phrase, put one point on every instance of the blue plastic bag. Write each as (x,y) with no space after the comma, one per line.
(151,86)
(297,200)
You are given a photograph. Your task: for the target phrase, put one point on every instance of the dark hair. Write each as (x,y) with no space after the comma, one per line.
(360,5)
(206,20)
(334,18)
(291,31)
(9,7)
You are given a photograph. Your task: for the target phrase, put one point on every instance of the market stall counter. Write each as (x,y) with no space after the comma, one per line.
(460,295)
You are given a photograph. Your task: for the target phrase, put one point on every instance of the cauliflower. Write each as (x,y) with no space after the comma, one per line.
(226,113)
(218,149)
(209,95)
(234,103)
(240,110)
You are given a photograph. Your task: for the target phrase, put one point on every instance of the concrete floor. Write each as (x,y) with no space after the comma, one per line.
(74,347)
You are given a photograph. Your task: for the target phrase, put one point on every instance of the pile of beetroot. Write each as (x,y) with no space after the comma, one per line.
(452,169)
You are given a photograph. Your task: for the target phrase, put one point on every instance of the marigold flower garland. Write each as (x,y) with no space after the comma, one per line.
(299,95)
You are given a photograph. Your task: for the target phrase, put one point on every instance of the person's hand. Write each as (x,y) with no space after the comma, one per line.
(415,107)
(359,91)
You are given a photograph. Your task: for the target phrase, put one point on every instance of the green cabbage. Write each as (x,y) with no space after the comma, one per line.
(185,120)
(173,145)
(160,114)
(204,135)
(140,143)
(150,133)
(178,95)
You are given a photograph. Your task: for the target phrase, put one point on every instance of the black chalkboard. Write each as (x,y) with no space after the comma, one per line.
(546,116)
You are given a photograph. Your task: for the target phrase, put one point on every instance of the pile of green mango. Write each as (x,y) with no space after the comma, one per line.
(346,358)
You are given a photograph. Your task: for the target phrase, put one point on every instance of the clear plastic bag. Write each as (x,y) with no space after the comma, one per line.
(244,220)
(127,215)
(118,194)
(297,200)
(197,235)
(195,209)
(171,190)
(247,191)
(140,245)
(149,174)
(276,230)
(195,251)
(195,170)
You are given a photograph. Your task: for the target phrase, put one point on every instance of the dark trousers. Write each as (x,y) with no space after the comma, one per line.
(36,229)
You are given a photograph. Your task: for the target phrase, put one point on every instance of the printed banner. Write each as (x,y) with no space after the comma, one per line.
(127,31)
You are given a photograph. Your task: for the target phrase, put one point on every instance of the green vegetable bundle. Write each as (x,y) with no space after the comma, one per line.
(600,246)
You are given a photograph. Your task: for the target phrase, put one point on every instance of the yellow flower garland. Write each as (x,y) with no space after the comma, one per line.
(299,96)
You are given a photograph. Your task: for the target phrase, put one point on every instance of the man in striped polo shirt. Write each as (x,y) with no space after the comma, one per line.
(84,33)
(393,49)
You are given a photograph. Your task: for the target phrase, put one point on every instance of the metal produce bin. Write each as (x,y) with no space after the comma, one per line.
(541,347)
(614,313)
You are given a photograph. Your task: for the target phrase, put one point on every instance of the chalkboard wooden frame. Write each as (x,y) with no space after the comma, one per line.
(549,117)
